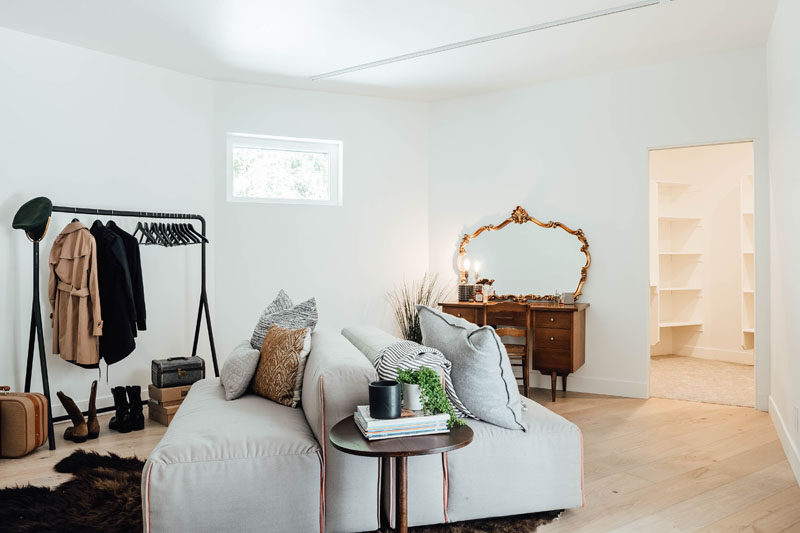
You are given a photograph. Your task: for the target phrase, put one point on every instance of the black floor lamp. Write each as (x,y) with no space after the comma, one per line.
(34,218)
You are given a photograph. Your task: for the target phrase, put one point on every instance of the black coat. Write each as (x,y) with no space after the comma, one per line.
(116,295)
(135,270)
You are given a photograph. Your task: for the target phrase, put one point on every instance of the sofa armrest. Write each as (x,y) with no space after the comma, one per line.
(369,340)
(336,380)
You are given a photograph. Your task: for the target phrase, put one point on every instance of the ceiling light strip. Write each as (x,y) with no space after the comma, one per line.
(493,37)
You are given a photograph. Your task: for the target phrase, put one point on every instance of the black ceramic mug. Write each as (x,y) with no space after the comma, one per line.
(384,399)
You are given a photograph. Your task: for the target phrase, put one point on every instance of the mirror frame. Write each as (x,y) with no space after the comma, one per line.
(520,216)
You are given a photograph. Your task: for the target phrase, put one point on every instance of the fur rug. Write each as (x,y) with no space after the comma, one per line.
(103,496)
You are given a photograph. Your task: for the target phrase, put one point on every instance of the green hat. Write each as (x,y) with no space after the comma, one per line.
(34,217)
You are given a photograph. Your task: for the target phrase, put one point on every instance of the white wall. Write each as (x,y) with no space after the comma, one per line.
(346,256)
(783,62)
(89,129)
(577,151)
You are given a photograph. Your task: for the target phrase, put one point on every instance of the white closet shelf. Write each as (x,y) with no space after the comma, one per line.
(680,253)
(748,291)
(671,218)
(748,252)
(749,330)
(680,324)
(676,184)
(747,213)
(685,289)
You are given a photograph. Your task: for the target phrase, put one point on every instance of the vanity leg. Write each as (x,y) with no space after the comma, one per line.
(564,382)
(553,378)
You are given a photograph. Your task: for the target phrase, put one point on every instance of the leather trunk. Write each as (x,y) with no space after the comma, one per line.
(177,371)
(23,422)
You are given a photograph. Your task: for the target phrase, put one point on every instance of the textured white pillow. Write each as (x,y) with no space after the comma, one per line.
(302,315)
(481,372)
(238,370)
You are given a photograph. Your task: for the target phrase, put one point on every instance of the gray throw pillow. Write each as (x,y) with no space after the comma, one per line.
(238,370)
(281,302)
(481,373)
(302,315)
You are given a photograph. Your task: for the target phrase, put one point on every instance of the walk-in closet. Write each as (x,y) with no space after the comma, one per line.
(702,273)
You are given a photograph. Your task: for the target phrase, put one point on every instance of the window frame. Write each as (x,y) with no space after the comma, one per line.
(334,150)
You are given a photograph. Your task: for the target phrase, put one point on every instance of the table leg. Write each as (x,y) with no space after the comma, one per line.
(402,494)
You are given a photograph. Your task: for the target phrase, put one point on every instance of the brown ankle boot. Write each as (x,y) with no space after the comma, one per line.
(79,430)
(91,420)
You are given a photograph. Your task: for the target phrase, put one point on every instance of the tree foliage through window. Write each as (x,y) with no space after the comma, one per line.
(280,174)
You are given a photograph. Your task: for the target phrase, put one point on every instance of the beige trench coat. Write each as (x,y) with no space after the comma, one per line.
(74,295)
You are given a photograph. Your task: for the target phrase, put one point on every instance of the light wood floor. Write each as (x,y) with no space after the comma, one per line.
(650,466)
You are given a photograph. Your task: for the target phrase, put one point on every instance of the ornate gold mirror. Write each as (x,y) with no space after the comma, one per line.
(526,260)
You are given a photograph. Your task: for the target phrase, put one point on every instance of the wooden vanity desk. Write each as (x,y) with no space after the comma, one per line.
(555,334)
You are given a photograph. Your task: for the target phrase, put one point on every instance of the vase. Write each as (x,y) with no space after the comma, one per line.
(384,399)
(411,397)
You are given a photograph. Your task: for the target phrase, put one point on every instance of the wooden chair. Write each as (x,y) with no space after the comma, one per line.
(510,319)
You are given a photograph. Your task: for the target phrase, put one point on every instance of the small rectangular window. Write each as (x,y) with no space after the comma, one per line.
(284,170)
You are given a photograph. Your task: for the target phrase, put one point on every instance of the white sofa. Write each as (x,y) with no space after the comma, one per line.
(502,472)
(253,465)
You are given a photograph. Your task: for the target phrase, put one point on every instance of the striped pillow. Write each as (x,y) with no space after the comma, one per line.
(302,315)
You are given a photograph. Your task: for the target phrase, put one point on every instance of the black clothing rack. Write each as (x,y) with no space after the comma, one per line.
(37,331)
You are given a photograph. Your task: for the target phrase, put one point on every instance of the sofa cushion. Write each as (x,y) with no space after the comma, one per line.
(238,370)
(505,472)
(302,315)
(369,340)
(481,373)
(217,458)
(279,376)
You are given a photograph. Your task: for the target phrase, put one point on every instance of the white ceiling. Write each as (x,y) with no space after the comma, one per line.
(285,42)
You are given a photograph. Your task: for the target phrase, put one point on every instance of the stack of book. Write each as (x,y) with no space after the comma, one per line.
(410,423)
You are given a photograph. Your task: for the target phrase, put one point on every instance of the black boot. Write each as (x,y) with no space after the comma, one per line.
(121,421)
(135,402)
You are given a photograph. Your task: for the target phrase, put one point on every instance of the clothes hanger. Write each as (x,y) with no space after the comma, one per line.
(200,235)
(167,239)
(176,227)
(175,239)
(189,236)
(192,236)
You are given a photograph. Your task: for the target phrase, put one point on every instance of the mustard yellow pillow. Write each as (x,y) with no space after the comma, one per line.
(279,375)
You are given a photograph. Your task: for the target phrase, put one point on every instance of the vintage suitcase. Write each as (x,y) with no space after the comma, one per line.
(177,371)
(23,422)
(168,395)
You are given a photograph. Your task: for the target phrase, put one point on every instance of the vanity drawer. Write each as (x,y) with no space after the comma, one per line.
(552,360)
(507,318)
(551,339)
(552,319)
(467,313)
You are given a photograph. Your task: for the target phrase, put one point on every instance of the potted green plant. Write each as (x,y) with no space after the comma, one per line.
(432,395)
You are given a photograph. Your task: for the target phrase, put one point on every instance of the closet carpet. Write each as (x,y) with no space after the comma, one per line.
(701,380)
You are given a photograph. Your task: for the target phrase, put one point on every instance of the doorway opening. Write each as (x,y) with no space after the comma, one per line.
(702,273)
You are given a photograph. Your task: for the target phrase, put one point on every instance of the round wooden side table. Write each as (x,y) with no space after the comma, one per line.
(346,437)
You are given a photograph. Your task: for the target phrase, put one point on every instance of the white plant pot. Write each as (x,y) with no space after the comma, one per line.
(411,397)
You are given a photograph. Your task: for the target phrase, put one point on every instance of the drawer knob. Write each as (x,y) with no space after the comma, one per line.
(459,315)
(552,319)
(552,338)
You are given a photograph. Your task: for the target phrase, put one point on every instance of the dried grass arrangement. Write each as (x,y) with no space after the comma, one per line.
(425,291)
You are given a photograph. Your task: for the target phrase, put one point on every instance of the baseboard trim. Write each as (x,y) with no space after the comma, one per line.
(610,387)
(731,356)
(789,446)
